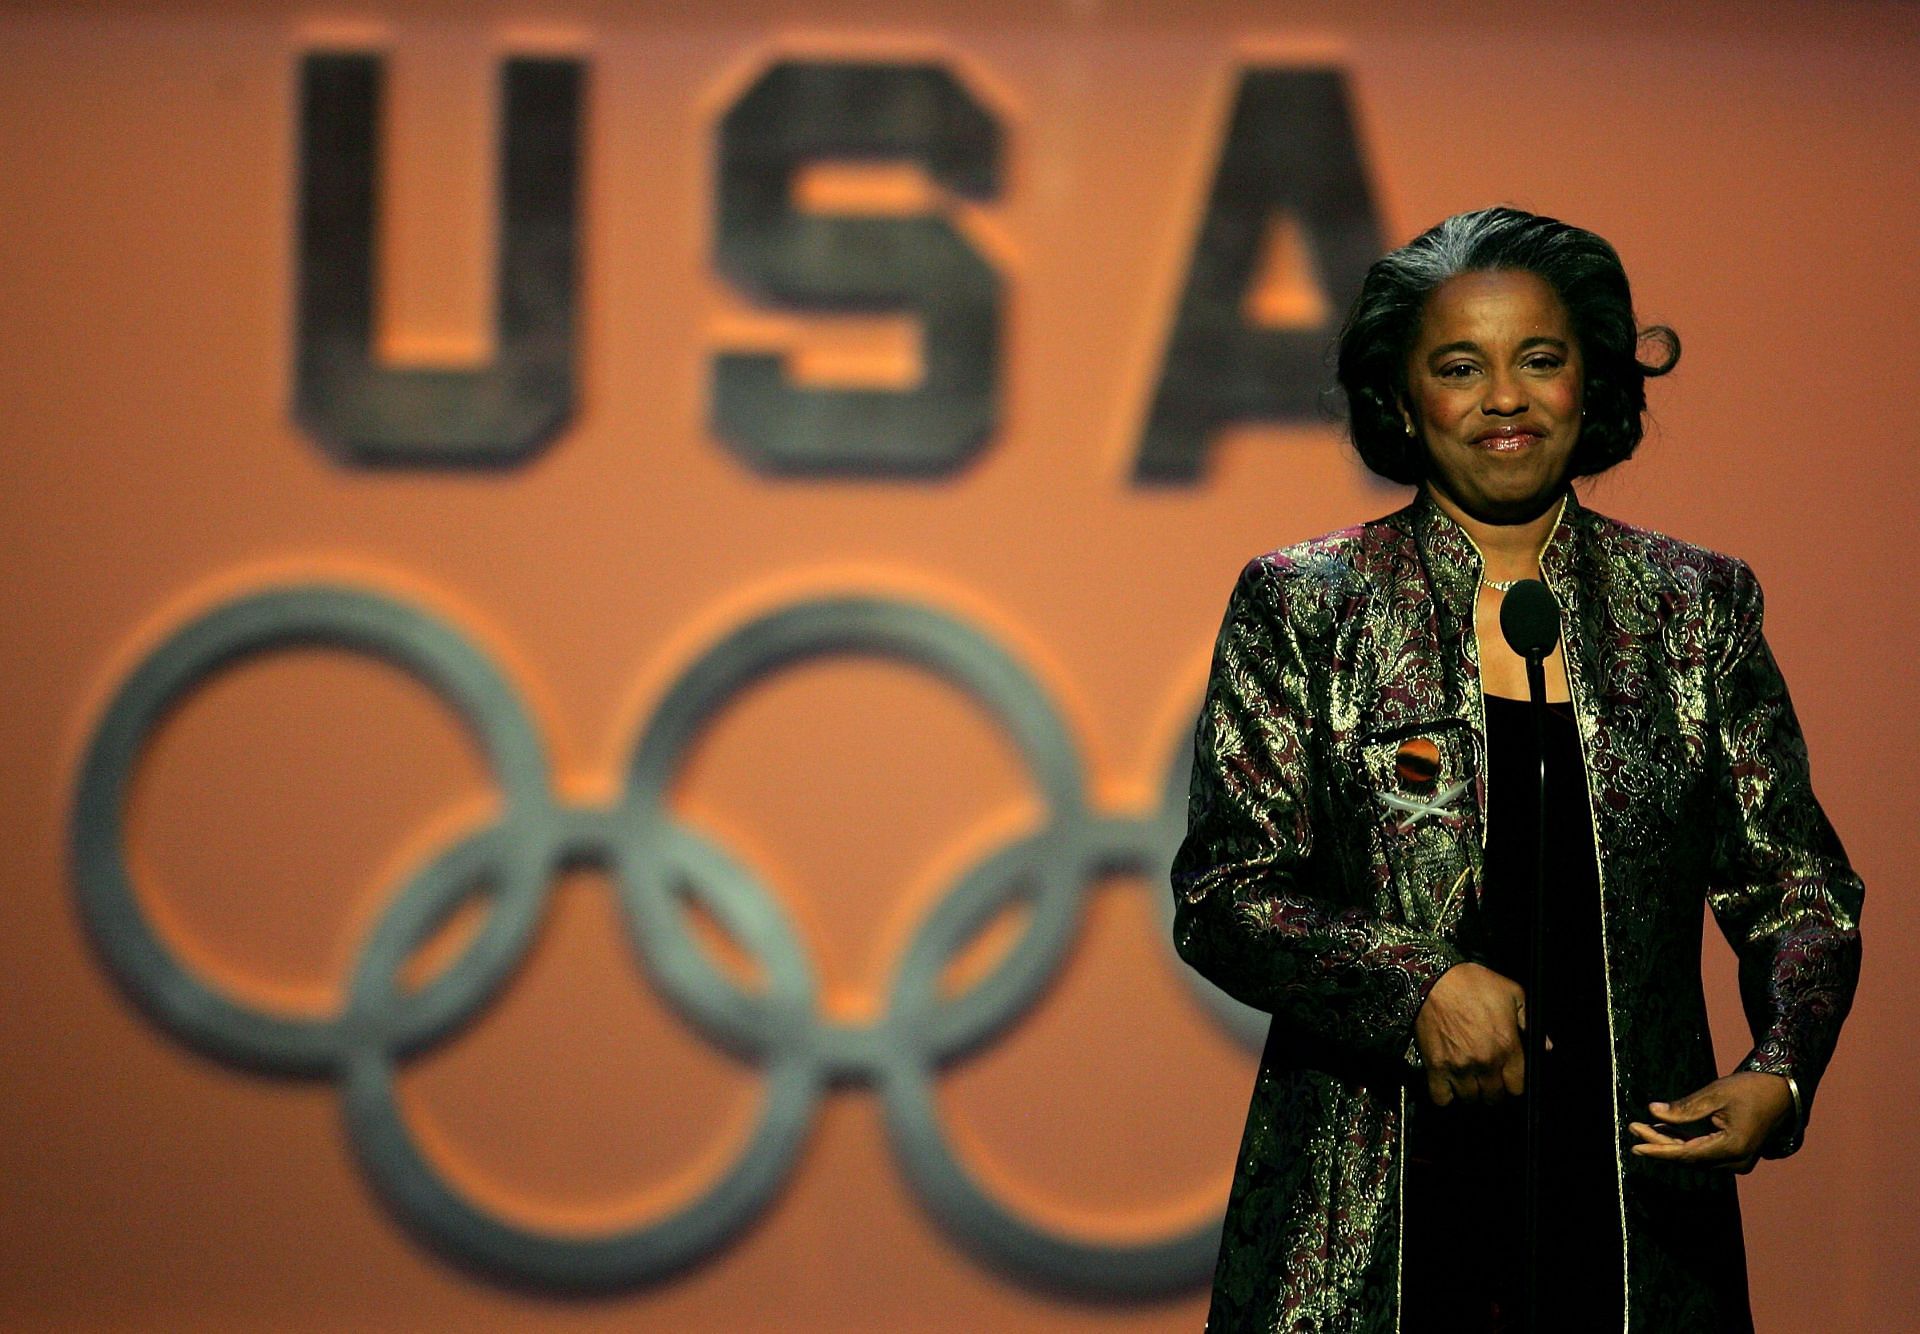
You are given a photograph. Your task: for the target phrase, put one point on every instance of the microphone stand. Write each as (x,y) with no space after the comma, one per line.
(1530,623)
(1536,1007)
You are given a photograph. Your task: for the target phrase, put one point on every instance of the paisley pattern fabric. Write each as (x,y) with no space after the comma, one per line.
(1335,834)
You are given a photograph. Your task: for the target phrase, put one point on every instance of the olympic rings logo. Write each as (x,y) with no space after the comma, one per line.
(652,859)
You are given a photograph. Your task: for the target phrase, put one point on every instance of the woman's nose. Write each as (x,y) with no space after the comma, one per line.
(1505,396)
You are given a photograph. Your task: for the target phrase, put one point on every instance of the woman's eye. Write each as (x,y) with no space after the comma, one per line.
(1459,370)
(1544,363)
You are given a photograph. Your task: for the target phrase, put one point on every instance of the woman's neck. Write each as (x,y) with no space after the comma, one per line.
(1510,550)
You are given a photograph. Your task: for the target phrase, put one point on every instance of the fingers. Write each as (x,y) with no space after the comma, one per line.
(1513,1074)
(1652,1135)
(1478,1084)
(1481,1082)
(1696,1106)
(1716,1150)
(1722,1148)
(1475,1086)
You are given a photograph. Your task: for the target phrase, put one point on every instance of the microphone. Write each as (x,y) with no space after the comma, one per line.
(1530,620)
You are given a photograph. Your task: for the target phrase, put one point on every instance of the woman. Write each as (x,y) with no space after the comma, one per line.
(1360,841)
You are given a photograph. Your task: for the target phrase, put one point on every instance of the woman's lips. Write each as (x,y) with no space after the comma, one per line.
(1507,444)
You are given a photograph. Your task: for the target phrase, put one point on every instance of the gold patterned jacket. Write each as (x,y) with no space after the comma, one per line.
(1313,883)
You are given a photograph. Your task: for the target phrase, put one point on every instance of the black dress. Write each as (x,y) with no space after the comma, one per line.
(1463,1255)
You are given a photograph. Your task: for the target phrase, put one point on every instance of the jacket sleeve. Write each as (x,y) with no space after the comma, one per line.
(1782,890)
(1257,909)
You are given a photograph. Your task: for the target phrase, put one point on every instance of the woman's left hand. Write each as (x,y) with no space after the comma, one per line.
(1742,1110)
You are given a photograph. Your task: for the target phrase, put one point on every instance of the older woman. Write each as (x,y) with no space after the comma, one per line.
(1360,847)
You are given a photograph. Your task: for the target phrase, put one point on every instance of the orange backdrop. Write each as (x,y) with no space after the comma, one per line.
(1752,164)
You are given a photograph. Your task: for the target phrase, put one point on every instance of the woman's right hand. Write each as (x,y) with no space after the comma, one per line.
(1471,1034)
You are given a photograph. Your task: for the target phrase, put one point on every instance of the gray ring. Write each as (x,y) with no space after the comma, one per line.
(420,644)
(658,865)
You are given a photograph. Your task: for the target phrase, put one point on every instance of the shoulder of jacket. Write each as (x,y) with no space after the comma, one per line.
(1670,564)
(1349,557)
(1317,575)
(1314,585)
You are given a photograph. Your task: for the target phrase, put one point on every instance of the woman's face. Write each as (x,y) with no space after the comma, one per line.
(1493,387)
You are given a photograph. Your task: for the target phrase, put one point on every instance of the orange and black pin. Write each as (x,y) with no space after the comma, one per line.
(1417,764)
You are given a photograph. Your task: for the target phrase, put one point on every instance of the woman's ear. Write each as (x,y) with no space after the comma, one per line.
(1406,419)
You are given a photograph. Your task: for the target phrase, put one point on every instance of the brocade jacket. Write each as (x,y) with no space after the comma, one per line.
(1321,882)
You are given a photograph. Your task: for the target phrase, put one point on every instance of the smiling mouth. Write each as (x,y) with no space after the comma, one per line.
(1506,442)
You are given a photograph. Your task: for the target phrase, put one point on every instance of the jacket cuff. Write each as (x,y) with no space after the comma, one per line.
(1788,1136)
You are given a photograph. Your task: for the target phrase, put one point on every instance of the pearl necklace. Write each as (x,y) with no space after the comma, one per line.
(1500,585)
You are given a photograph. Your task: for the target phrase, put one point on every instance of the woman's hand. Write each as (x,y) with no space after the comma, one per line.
(1744,1108)
(1470,1033)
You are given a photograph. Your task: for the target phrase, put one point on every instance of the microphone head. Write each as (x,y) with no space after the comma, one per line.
(1530,619)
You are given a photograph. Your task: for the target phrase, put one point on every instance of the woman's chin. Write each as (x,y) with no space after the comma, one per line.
(1509,506)
(1520,509)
